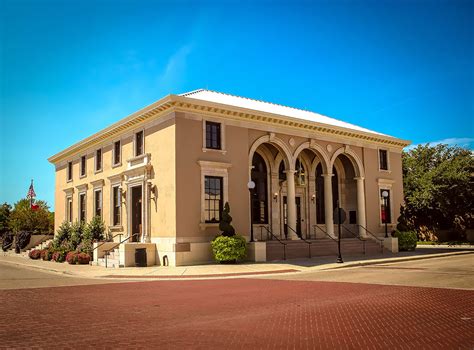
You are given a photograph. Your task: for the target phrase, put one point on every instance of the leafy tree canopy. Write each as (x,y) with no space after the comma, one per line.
(5,212)
(438,184)
(22,218)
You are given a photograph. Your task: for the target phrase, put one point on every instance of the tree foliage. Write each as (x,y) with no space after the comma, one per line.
(22,218)
(5,212)
(225,225)
(438,184)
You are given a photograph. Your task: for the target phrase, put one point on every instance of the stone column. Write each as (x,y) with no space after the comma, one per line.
(291,203)
(274,220)
(328,207)
(312,205)
(361,205)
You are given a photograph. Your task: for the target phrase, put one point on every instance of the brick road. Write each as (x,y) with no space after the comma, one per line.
(237,313)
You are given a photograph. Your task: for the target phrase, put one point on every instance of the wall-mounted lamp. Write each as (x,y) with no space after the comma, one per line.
(153,191)
(313,198)
(275,196)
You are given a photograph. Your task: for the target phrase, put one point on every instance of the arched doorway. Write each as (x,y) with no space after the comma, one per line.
(259,175)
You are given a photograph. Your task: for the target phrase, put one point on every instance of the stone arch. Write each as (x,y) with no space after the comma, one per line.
(353,157)
(275,141)
(318,150)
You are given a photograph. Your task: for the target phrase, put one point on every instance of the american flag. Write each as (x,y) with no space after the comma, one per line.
(31,192)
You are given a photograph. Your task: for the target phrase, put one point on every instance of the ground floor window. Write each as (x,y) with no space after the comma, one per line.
(82,207)
(213,198)
(98,203)
(69,209)
(116,208)
(385,210)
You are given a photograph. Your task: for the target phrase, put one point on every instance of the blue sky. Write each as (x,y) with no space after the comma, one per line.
(71,68)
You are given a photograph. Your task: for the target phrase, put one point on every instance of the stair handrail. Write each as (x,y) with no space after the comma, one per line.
(378,239)
(118,234)
(106,252)
(356,235)
(324,231)
(304,240)
(273,235)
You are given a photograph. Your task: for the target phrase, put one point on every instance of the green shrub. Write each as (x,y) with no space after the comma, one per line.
(83,258)
(76,235)
(71,258)
(59,255)
(63,234)
(406,240)
(228,249)
(86,243)
(97,228)
(225,225)
(35,254)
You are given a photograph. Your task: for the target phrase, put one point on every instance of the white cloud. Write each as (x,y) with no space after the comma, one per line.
(466,142)
(175,68)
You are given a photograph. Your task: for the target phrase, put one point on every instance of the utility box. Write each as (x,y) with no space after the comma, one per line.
(140,257)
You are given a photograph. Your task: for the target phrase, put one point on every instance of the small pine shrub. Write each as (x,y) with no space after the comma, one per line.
(86,244)
(59,255)
(35,254)
(76,235)
(229,249)
(406,240)
(63,234)
(97,229)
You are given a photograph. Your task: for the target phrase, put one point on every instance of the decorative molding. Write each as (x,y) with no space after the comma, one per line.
(214,165)
(82,188)
(98,183)
(69,191)
(115,178)
(383,181)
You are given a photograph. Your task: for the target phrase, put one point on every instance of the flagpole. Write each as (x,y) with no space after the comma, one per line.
(31,197)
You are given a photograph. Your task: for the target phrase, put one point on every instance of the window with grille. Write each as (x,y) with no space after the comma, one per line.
(117,155)
(116,194)
(213,135)
(139,143)
(98,203)
(383,159)
(213,198)
(83,166)
(82,207)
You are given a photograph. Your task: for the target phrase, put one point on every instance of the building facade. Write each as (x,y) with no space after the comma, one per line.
(163,174)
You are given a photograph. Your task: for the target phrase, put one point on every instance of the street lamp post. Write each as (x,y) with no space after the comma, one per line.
(385,199)
(251,186)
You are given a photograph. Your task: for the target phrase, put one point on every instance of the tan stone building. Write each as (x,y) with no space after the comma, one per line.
(162,175)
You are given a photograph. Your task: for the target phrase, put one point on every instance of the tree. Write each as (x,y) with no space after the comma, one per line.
(439,187)
(5,212)
(22,218)
(225,225)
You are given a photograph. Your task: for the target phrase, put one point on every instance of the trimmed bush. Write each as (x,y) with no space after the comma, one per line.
(35,254)
(83,258)
(59,255)
(71,258)
(229,249)
(46,254)
(406,240)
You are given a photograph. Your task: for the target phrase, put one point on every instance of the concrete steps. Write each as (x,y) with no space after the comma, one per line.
(113,260)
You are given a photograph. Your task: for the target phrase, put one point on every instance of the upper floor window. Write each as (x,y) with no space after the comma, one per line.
(213,198)
(116,153)
(383,159)
(83,166)
(139,143)
(213,135)
(69,171)
(98,160)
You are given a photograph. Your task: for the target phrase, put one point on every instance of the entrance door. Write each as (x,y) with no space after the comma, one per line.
(298,216)
(136,205)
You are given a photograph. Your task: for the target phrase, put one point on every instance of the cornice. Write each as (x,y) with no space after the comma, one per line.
(175,103)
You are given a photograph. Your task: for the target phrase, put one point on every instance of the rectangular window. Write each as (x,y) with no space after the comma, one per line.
(139,143)
(83,166)
(117,149)
(69,209)
(98,203)
(352,217)
(116,194)
(82,207)
(98,160)
(383,159)
(385,210)
(69,171)
(213,135)
(213,198)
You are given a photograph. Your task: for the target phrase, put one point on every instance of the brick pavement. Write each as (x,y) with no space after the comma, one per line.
(237,314)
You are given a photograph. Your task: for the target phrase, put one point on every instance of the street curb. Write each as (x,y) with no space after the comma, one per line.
(396,260)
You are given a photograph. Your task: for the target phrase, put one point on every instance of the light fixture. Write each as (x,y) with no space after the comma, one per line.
(313,198)
(275,196)
(384,194)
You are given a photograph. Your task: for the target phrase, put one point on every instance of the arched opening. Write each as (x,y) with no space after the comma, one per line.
(320,205)
(348,187)
(259,175)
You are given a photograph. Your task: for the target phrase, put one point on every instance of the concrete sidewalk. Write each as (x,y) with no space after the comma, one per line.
(229,271)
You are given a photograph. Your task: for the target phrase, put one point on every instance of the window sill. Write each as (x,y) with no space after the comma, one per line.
(70,180)
(116,165)
(116,228)
(212,150)
(385,171)
(98,171)
(82,176)
(206,225)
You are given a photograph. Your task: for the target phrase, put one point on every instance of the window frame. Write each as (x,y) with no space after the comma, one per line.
(207,211)
(116,164)
(387,159)
(69,171)
(96,160)
(83,167)
(79,216)
(101,202)
(222,136)
(135,144)
(114,206)
(69,208)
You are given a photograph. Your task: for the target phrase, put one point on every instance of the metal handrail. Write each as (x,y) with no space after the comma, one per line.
(273,235)
(356,236)
(380,240)
(106,252)
(304,240)
(118,234)
(324,231)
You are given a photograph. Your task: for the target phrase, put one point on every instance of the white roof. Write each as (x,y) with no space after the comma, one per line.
(243,102)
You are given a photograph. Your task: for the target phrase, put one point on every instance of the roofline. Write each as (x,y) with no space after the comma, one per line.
(173,102)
